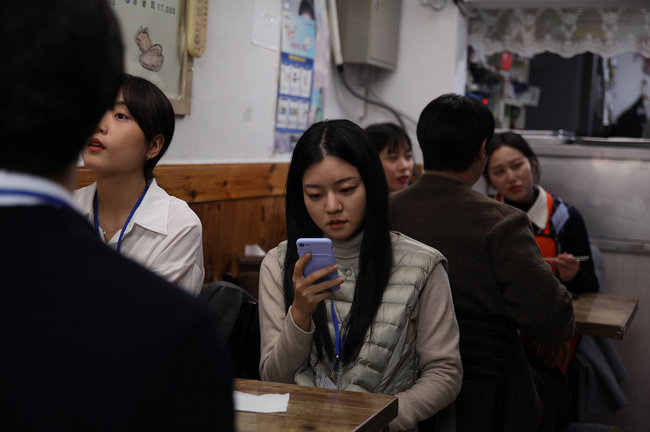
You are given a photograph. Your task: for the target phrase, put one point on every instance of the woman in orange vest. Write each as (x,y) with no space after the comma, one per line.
(513,170)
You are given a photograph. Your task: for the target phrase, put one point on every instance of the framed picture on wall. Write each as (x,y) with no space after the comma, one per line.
(155,47)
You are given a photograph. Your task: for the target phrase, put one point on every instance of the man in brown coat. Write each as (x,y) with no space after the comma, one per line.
(494,263)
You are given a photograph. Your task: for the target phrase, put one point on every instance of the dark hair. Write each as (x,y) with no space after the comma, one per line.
(517,142)
(59,74)
(382,135)
(306,6)
(451,130)
(347,141)
(152,111)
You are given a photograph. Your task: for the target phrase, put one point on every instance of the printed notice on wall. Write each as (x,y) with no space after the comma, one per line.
(305,46)
(152,33)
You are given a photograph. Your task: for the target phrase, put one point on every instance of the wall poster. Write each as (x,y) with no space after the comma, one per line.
(153,34)
(304,62)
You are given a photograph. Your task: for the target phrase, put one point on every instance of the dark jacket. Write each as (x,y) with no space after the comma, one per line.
(494,267)
(90,340)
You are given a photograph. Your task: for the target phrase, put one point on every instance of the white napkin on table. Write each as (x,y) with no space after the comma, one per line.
(266,403)
(254,250)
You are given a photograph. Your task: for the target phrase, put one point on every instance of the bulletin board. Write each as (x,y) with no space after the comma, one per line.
(153,34)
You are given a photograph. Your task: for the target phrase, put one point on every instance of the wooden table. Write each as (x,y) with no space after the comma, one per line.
(313,408)
(603,315)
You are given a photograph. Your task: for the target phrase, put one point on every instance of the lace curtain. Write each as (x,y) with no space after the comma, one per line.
(566,32)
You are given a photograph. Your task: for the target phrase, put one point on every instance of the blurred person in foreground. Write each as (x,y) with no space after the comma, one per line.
(90,339)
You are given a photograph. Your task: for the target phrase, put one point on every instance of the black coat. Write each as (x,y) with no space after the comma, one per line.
(90,340)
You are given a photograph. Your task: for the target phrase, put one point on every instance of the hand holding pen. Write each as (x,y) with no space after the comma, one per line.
(567,265)
(578,257)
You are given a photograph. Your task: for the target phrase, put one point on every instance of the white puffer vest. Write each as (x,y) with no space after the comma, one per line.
(387,362)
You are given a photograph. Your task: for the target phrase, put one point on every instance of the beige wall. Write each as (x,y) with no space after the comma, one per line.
(235,82)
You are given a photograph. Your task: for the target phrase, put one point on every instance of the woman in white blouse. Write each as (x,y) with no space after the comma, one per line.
(130,212)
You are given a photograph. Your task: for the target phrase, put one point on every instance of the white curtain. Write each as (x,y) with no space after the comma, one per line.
(566,32)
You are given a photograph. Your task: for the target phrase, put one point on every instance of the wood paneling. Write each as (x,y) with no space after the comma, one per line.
(215,182)
(238,204)
(229,225)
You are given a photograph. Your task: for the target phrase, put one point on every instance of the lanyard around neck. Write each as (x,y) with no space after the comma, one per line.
(135,207)
(339,340)
(49,199)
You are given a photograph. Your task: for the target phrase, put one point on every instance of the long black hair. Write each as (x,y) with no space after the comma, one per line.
(347,141)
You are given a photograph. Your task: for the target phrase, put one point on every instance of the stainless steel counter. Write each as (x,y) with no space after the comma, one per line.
(608,180)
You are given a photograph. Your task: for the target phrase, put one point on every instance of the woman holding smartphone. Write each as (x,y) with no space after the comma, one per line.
(130,212)
(390,326)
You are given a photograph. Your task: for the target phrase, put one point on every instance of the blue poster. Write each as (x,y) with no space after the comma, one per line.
(299,102)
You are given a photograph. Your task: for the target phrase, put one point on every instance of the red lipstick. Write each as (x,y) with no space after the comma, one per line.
(95,145)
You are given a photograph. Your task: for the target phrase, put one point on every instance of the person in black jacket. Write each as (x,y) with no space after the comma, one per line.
(90,339)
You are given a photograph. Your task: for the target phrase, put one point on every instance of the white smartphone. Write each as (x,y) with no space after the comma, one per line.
(322,255)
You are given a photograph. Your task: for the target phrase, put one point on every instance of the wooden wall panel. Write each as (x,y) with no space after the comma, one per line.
(209,215)
(251,221)
(215,182)
(238,204)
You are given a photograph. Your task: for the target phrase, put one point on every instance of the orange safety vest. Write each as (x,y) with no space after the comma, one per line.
(547,243)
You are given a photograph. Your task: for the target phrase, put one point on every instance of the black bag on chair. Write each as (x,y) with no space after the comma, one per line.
(239,324)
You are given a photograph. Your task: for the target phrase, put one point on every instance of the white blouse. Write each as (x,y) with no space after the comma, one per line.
(163,235)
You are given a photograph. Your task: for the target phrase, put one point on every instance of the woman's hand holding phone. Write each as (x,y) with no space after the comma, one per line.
(309,291)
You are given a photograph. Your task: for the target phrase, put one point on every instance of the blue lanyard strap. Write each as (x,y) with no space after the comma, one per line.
(339,341)
(135,207)
(41,196)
